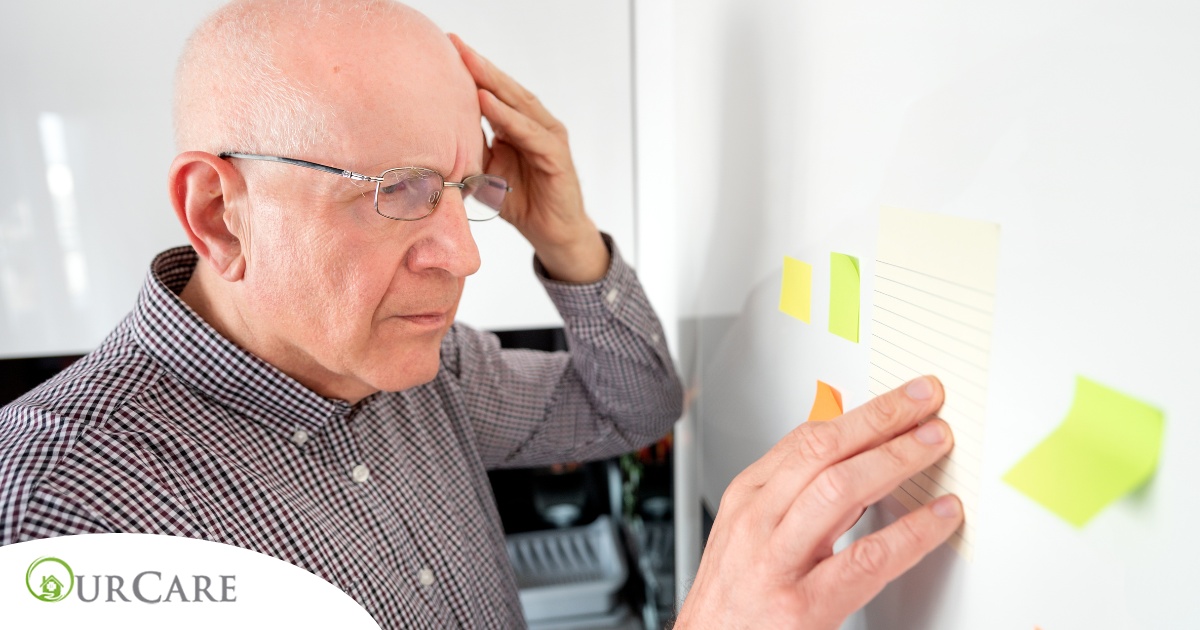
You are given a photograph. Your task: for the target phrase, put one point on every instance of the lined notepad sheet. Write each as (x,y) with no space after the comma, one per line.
(935,284)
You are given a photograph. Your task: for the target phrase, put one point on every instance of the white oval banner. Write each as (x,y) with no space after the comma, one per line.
(147,581)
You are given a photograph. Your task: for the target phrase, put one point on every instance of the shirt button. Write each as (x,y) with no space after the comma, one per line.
(612,296)
(425,577)
(654,337)
(360,473)
(299,437)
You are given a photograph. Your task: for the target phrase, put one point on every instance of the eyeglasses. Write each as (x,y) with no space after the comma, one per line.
(410,193)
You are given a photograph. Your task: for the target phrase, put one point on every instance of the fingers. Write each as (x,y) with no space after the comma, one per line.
(848,580)
(838,494)
(814,446)
(515,114)
(488,77)
(785,511)
(889,415)
(510,125)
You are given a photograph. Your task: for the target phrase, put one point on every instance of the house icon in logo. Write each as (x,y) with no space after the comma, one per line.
(51,588)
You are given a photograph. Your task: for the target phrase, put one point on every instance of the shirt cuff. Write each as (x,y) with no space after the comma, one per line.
(606,295)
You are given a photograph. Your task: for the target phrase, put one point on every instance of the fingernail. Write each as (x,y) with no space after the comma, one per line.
(946,507)
(919,389)
(931,433)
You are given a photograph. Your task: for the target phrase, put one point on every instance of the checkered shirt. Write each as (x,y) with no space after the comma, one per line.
(169,428)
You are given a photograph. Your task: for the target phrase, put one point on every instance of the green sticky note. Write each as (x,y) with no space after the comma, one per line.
(795,297)
(1106,448)
(843,296)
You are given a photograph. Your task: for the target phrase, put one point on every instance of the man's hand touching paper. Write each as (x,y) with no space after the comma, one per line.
(769,562)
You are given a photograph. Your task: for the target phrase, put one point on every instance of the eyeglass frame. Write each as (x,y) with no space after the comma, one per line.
(360,177)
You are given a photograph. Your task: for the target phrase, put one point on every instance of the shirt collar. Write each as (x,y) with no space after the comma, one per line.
(171,332)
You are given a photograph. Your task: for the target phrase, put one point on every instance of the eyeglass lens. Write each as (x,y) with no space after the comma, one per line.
(411,193)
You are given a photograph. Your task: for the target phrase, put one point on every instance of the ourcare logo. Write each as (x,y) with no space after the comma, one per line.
(53,580)
(50,579)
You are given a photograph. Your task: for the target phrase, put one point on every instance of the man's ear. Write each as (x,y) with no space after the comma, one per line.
(202,187)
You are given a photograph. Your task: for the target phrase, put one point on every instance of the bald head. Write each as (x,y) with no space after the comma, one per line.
(298,266)
(285,76)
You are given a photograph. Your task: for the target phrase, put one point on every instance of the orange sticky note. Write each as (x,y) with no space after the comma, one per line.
(828,404)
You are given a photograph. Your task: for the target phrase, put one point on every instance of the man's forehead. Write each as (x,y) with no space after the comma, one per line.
(398,98)
(399,43)
(290,75)
(448,154)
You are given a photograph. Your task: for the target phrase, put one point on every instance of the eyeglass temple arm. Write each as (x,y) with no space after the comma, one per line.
(306,164)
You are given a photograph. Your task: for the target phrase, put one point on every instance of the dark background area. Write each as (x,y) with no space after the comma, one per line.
(18,376)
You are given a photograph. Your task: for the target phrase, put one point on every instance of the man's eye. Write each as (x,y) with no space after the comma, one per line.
(399,186)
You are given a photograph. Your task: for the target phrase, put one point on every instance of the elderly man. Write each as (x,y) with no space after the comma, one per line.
(293,382)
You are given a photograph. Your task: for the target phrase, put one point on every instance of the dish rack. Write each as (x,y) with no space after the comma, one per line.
(568,573)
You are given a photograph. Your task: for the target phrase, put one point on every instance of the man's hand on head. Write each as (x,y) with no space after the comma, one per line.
(769,562)
(530,150)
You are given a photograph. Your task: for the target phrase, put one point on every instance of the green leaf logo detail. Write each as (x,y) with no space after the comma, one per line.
(50,579)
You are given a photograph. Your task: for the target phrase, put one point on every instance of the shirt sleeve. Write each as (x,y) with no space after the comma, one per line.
(615,390)
(32,442)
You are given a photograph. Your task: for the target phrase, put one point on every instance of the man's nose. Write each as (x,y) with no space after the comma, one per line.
(447,242)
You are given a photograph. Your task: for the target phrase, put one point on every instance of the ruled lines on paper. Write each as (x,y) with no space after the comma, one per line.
(934,296)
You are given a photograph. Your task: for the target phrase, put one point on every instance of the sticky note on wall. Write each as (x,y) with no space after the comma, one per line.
(828,404)
(795,296)
(843,296)
(1106,447)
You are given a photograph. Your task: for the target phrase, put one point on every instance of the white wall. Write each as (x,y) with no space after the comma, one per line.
(1073,126)
(85,143)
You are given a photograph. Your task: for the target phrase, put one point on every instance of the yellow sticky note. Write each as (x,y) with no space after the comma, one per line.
(843,296)
(795,296)
(828,404)
(1105,448)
